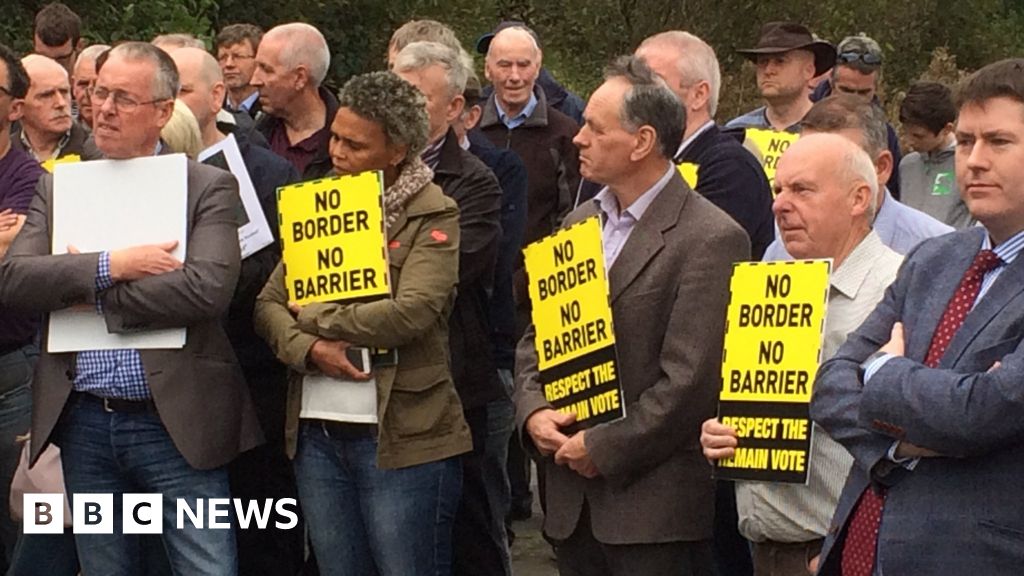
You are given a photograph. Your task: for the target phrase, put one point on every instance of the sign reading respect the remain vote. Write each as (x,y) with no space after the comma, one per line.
(333,243)
(572,316)
(773,336)
(771,144)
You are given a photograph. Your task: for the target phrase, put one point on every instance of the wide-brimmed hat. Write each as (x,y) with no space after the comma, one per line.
(483,43)
(779,37)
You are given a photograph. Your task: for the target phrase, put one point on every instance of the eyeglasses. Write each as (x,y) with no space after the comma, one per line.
(222,58)
(867,58)
(122,102)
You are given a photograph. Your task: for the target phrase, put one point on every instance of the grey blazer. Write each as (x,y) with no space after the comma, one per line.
(959,514)
(199,391)
(669,292)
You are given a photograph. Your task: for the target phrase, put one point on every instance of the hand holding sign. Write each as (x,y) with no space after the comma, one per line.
(141,261)
(718,440)
(574,455)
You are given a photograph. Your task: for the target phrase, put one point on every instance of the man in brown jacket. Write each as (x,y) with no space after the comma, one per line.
(635,496)
(141,421)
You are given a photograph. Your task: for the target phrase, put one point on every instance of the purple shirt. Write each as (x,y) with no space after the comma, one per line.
(19,174)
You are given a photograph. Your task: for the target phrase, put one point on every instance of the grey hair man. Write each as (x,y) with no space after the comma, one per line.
(440,73)
(236,47)
(291,65)
(129,420)
(634,496)
(168,42)
(899,226)
(726,173)
(826,193)
(82,79)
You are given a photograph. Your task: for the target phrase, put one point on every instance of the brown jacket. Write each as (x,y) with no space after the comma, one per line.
(419,414)
(669,292)
(199,391)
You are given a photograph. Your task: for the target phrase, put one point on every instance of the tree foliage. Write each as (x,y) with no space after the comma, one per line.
(580,36)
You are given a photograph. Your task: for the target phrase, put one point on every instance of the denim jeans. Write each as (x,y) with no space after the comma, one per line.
(16,369)
(365,521)
(108,452)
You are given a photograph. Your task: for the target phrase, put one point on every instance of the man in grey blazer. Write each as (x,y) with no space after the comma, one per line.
(927,393)
(141,421)
(635,496)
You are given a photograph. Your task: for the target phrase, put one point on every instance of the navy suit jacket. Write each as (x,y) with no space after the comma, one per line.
(731,178)
(957,514)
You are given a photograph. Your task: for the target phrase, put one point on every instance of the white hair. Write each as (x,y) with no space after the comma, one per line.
(519,31)
(93,52)
(695,59)
(420,55)
(855,168)
(303,45)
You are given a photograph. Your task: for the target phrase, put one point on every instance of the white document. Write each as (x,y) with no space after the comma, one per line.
(326,398)
(107,205)
(254,232)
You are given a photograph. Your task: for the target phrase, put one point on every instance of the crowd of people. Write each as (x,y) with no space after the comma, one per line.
(915,439)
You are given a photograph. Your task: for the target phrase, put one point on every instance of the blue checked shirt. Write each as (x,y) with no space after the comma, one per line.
(110,373)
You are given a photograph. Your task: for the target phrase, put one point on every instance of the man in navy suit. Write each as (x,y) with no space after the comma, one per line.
(927,394)
(720,168)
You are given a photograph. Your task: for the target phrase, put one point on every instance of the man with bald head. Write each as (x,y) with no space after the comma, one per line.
(263,472)
(46,129)
(162,421)
(291,65)
(825,199)
(724,171)
(82,79)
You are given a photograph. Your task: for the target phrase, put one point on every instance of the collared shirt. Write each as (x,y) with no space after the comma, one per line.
(300,154)
(898,226)
(246,104)
(432,155)
(618,225)
(519,119)
(56,151)
(686,143)
(110,373)
(801,513)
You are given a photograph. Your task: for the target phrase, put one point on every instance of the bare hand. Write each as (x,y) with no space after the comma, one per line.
(329,356)
(812,564)
(8,220)
(908,450)
(895,344)
(544,426)
(718,440)
(573,454)
(295,309)
(143,261)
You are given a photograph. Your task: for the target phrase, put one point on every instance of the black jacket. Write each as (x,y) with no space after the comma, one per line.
(321,165)
(731,178)
(80,142)
(511,174)
(465,179)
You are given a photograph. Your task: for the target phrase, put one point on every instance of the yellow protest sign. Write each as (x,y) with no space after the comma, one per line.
(572,317)
(70,158)
(770,144)
(688,170)
(333,240)
(774,328)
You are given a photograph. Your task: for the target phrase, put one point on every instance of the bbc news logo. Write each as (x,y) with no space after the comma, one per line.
(143,513)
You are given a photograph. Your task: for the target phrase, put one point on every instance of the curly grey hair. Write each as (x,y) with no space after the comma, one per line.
(393,103)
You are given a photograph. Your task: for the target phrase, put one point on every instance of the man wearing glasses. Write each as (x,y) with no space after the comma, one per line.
(858,71)
(236,52)
(141,421)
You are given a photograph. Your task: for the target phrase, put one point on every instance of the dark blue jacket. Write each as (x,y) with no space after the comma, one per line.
(511,174)
(732,179)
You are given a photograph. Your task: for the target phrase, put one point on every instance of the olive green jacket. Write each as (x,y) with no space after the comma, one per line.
(419,414)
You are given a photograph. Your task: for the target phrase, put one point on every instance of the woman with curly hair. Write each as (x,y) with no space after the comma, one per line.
(379,499)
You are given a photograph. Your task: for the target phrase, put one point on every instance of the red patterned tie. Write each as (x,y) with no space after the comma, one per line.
(858,557)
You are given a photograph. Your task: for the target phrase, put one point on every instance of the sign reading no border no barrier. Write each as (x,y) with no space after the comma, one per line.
(572,316)
(773,335)
(333,241)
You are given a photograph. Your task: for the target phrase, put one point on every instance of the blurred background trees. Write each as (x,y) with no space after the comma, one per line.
(934,39)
